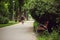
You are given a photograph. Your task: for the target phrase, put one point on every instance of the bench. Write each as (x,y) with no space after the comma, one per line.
(42,27)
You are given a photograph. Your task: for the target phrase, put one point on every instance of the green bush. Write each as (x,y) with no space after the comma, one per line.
(53,36)
(35,25)
(4,20)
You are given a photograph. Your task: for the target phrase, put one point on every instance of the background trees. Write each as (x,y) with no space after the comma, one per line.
(41,9)
(4,11)
(13,9)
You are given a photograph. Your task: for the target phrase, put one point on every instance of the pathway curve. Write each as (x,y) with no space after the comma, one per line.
(18,32)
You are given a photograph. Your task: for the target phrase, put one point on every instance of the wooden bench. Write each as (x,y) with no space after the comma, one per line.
(42,27)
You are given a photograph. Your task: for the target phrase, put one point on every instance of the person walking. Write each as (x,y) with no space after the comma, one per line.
(22,19)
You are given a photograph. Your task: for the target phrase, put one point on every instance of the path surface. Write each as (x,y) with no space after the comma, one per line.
(18,32)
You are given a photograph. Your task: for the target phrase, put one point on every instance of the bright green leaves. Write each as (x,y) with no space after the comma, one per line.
(29,4)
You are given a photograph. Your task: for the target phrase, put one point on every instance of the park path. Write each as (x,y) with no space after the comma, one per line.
(18,32)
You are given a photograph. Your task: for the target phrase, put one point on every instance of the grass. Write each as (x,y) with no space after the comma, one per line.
(53,36)
(10,23)
(45,35)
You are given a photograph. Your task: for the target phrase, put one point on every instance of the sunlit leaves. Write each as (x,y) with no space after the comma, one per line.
(4,7)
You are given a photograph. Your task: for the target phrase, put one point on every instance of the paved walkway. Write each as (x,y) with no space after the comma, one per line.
(18,32)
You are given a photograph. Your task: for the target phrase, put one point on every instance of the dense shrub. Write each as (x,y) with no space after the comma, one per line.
(45,11)
(35,25)
(4,20)
(53,36)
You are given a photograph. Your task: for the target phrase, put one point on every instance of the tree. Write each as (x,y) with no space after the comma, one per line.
(21,3)
(16,10)
(11,8)
(44,10)
(57,6)
(4,11)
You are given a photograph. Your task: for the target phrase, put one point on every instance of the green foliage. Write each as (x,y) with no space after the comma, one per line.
(53,36)
(3,20)
(41,5)
(4,12)
(3,9)
(29,4)
(8,24)
(36,24)
(6,20)
(38,7)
